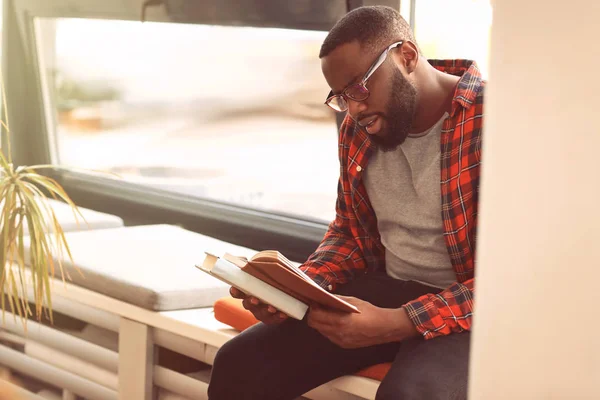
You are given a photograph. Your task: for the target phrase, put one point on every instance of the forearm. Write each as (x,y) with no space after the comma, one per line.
(399,325)
(404,328)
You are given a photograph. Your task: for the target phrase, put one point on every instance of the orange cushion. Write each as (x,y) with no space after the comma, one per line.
(231,312)
(377,372)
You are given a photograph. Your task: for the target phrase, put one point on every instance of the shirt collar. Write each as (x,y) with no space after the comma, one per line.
(469,85)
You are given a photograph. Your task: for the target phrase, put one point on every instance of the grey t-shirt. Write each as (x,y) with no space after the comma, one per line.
(404,190)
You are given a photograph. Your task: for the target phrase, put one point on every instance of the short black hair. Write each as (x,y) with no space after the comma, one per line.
(373,26)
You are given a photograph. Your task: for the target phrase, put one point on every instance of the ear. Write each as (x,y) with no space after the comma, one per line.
(408,56)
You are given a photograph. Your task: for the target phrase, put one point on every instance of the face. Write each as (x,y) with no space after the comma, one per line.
(388,112)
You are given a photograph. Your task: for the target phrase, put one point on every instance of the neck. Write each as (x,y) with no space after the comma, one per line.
(435,92)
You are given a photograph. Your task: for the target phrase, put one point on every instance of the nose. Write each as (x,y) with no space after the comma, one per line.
(355,108)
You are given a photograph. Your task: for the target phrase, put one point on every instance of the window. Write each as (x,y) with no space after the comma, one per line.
(454,29)
(233,114)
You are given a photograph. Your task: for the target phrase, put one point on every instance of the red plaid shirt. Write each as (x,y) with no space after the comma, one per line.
(352,244)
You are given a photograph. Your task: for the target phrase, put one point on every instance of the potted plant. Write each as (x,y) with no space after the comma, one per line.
(27,216)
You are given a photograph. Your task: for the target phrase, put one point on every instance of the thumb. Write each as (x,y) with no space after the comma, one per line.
(352,300)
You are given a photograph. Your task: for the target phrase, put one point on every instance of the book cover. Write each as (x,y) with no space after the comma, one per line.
(233,275)
(285,281)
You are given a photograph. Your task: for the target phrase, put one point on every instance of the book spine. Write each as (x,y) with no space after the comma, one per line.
(259,289)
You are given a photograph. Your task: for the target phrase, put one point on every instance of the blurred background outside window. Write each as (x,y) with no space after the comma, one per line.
(233,114)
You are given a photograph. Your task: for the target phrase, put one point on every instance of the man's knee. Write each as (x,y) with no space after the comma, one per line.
(229,356)
(246,366)
(229,369)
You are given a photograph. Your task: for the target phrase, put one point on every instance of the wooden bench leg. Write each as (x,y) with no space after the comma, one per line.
(136,361)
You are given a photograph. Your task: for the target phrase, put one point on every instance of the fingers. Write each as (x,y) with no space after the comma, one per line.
(271,316)
(263,312)
(279,317)
(236,293)
(250,303)
(352,300)
(327,322)
(320,316)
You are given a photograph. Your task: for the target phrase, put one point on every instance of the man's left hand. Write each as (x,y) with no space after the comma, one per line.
(372,326)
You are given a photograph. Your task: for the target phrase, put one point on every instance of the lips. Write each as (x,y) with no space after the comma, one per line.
(367,121)
(372,124)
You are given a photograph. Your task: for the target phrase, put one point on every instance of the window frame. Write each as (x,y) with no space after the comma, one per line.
(27,97)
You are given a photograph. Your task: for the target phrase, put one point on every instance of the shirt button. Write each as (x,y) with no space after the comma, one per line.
(359,168)
(329,287)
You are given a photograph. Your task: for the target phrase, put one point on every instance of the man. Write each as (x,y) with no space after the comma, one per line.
(401,247)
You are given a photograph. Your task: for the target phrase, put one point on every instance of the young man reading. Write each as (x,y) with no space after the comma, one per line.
(401,247)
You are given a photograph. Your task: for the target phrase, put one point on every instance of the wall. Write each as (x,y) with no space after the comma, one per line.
(537,324)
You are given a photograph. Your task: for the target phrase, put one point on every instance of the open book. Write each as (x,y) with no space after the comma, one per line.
(275,280)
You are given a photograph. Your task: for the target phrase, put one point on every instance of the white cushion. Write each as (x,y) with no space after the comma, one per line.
(151,266)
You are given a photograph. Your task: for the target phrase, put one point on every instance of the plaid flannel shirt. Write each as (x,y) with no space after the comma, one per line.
(352,244)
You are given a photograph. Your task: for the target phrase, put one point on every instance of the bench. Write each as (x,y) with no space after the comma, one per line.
(139,292)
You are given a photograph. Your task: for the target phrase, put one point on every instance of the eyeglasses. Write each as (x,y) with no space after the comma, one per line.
(357,91)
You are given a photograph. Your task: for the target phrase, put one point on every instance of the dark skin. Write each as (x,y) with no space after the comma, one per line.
(348,63)
(348,330)
(430,93)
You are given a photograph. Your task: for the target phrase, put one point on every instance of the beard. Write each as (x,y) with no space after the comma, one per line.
(399,114)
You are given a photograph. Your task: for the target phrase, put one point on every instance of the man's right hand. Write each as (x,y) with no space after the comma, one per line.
(262,312)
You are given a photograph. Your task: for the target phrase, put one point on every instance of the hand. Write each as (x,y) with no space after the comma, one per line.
(372,326)
(262,312)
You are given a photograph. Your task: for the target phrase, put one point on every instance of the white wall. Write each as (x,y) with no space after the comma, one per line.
(537,318)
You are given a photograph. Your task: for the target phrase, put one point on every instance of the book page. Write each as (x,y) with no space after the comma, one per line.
(237,261)
(275,256)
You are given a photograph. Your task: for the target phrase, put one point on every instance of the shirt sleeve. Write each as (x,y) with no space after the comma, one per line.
(447,312)
(338,258)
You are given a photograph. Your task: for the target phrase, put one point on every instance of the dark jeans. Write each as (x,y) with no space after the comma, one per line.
(284,361)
